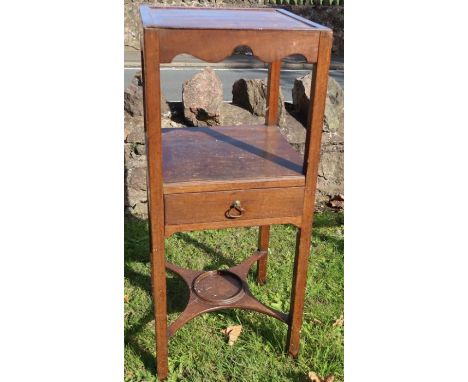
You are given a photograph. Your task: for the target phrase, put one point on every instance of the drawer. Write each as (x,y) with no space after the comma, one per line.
(205,207)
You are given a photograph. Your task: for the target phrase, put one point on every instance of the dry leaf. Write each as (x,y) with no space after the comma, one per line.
(313,377)
(126,298)
(233,332)
(317,321)
(339,321)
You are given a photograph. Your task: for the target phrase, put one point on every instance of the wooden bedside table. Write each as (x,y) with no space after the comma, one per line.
(231,176)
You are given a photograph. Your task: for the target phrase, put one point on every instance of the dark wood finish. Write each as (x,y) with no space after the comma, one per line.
(263,242)
(311,161)
(272,118)
(223,18)
(205,207)
(171,229)
(239,184)
(155,194)
(235,176)
(267,46)
(266,31)
(273,89)
(216,290)
(301,19)
(223,155)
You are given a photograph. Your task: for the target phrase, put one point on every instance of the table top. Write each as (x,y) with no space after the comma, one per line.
(202,158)
(224,18)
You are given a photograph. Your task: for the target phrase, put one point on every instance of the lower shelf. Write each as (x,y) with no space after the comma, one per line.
(222,289)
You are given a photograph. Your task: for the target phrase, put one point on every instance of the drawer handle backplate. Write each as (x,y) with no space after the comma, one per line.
(235,211)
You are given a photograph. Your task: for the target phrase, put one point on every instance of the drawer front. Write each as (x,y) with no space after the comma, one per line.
(205,207)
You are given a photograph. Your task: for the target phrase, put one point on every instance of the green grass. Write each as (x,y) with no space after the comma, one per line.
(199,351)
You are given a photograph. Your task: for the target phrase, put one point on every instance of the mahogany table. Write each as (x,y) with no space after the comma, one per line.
(229,176)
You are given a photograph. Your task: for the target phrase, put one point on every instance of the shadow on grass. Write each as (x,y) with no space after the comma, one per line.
(298,376)
(338,243)
(329,219)
(218,259)
(130,340)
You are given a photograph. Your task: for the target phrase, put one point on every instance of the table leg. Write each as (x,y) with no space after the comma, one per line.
(152,95)
(298,289)
(263,241)
(311,162)
(160,310)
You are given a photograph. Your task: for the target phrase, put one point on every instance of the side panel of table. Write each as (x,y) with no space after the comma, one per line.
(214,46)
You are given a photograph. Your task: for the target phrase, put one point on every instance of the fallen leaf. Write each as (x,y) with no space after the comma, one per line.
(339,321)
(313,377)
(126,298)
(317,321)
(233,333)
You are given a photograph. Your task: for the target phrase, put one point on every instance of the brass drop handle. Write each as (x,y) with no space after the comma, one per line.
(235,210)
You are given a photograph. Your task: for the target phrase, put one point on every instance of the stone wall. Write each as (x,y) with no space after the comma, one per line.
(329,16)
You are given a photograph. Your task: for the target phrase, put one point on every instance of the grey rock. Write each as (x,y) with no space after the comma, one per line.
(294,132)
(334,107)
(141,210)
(202,96)
(134,129)
(330,180)
(132,159)
(127,154)
(133,98)
(300,94)
(133,197)
(140,149)
(137,178)
(252,95)
(232,115)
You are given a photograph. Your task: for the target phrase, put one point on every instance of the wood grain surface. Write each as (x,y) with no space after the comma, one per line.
(223,18)
(203,207)
(239,154)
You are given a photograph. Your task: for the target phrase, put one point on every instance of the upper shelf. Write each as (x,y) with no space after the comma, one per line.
(224,18)
(211,34)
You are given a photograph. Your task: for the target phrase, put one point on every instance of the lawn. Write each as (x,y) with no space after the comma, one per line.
(199,351)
